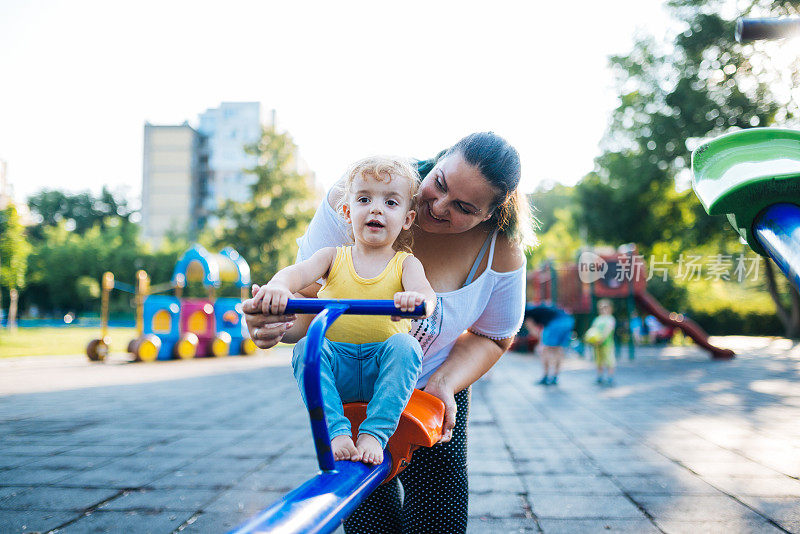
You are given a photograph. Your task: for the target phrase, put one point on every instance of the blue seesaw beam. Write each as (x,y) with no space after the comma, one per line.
(778,231)
(323,502)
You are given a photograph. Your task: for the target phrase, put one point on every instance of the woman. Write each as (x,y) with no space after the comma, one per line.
(471,226)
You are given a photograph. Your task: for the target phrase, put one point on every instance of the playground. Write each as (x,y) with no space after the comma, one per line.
(167,433)
(172,327)
(682,444)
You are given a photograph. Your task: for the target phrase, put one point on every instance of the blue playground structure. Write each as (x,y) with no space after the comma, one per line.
(324,501)
(169,327)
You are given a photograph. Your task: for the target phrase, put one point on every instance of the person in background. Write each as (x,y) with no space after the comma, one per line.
(637,328)
(601,337)
(653,328)
(556,325)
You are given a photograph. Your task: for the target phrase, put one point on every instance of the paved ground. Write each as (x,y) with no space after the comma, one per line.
(681,444)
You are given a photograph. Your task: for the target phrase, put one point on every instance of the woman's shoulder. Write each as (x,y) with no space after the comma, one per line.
(508,255)
(335,193)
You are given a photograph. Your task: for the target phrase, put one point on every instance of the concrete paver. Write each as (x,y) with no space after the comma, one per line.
(32,520)
(159,500)
(127,521)
(571,526)
(680,444)
(48,498)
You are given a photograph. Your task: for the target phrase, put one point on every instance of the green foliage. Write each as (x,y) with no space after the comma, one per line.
(265,228)
(559,243)
(14,249)
(88,288)
(671,96)
(546,200)
(733,321)
(66,266)
(79,212)
(702,85)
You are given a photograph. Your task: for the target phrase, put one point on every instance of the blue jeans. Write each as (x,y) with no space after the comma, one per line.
(382,374)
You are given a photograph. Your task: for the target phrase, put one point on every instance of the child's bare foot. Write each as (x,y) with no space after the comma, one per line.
(370,449)
(343,448)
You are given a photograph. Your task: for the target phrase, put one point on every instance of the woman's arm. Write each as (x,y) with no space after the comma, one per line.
(469,359)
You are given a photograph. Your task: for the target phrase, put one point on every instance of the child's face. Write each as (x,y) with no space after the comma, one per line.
(378,210)
(605,310)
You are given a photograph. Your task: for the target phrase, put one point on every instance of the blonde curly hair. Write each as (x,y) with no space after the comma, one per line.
(384,168)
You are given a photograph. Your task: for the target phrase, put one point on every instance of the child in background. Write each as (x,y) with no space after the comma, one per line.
(601,337)
(364,358)
(637,328)
(556,334)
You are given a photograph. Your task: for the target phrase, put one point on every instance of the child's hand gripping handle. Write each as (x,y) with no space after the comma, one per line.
(354,307)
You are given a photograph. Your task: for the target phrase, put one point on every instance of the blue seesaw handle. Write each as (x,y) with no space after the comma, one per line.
(353,307)
(322,503)
(778,231)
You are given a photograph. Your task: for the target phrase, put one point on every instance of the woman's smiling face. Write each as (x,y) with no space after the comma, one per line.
(454,197)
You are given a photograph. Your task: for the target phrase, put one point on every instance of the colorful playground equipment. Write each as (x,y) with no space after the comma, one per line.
(170,327)
(613,274)
(753,176)
(321,503)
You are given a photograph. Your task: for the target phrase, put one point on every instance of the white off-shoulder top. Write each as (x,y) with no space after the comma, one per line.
(492,305)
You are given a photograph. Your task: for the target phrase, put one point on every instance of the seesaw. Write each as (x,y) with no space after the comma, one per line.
(324,501)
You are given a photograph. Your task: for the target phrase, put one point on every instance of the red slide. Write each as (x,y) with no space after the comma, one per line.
(689,327)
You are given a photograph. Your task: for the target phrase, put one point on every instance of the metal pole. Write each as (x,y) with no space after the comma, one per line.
(759,29)
(630,305)
(142,289)
(108,285)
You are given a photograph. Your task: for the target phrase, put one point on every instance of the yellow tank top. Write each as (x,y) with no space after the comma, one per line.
(344,283)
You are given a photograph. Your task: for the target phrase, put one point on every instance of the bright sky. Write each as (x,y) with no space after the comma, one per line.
(348,79)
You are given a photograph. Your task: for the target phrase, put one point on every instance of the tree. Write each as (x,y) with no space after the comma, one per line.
(264,228)
(14,250)
(80,211)
(702,85)
(65,267)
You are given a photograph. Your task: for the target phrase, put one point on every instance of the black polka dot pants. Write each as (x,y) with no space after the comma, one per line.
(430,496)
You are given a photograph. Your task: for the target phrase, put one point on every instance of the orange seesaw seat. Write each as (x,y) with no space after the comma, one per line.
(420,426)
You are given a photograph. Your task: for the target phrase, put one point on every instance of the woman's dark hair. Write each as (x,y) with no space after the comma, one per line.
(494,157)
(499,163)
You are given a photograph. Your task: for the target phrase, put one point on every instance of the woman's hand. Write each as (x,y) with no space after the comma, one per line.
(438,388)
(266,330)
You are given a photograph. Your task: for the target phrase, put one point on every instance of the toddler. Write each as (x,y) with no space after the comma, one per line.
(601,336)
(364,358)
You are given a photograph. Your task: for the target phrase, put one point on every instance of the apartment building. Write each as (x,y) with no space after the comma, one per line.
(188,173)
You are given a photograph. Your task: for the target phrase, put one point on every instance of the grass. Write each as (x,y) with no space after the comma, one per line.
(67,340)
